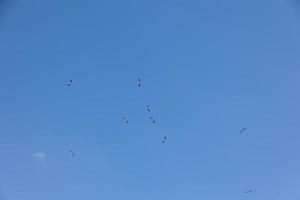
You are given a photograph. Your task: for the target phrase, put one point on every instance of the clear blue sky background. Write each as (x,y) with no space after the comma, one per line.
(209,67)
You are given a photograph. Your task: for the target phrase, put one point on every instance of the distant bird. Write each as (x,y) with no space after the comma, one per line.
(247,191)
(164,139)
(196,147)
(39,155)
(152,119)
(149,108)
(70,83)
(243,130)
(140,81)
(72,153)
(125,119)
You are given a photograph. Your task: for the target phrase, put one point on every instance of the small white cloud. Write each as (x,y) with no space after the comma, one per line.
(39,155)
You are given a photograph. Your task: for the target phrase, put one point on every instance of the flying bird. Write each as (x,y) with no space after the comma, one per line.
(140,81)
(72,153)
(247,191)
(243,130)
(39,155)
(70,83)
(164,139)
(149,108)
(125,119)
(196,147)
(152,119)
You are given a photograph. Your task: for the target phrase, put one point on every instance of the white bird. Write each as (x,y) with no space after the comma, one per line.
(39,155)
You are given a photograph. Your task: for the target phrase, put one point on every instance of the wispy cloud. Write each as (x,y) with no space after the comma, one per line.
(39,155)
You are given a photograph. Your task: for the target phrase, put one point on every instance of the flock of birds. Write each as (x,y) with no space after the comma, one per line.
(152,120)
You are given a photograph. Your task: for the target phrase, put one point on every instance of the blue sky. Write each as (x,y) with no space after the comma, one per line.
(209,67)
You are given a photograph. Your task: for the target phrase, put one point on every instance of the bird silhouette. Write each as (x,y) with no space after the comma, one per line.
(149,108)
(72,153)
(125,119)
(70,83)
(140,81)
(152,119)
(243,130)
(164,139)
